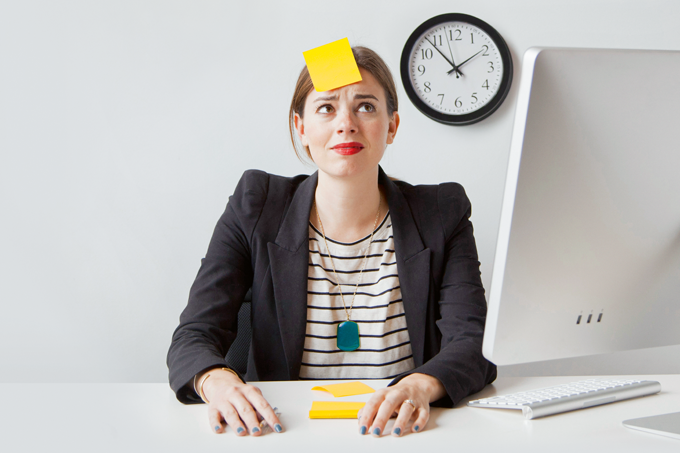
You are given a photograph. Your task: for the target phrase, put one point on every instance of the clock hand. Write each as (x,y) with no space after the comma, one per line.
(466,60)
(458,73)
(455,68)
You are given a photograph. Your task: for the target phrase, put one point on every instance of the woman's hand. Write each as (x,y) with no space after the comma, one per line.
(421,389)
(236,403)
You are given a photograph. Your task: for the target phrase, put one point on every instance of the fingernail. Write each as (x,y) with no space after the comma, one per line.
(278,428)
(217,428)
(362,430)
(376,432)
(416,428)
(256,430)
(239,430)
(397,431)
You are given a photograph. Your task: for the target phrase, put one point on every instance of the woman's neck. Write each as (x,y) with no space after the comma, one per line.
(348,207)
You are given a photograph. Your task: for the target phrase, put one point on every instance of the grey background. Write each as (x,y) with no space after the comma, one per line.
(124,127)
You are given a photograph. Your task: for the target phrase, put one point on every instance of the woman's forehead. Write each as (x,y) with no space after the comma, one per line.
(367,86)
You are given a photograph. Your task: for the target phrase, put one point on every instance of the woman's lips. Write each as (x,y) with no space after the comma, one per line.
(347,149)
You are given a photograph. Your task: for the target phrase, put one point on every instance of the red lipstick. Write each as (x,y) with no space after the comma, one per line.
(347,149)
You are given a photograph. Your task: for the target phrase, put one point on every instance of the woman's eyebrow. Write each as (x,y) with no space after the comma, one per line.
(365,96)
(335,97)
(326,98)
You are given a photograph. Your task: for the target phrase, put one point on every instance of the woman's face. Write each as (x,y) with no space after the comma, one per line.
(347,129)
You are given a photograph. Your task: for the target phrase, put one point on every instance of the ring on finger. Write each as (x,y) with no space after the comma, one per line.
(411,403)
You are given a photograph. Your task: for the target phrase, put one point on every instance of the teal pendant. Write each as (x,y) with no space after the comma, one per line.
(348,336)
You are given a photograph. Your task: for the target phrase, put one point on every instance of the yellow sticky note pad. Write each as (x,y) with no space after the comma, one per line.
(346,389)
(332,65)
(334,409)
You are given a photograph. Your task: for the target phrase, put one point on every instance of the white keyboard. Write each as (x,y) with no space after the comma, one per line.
(569,397)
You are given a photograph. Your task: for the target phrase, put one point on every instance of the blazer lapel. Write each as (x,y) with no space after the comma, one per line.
(413,265)
(289,261)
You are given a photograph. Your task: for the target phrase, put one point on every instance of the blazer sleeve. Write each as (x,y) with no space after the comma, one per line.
(208,324)
(459,365)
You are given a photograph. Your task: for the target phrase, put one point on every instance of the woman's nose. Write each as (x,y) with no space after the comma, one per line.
(346,122)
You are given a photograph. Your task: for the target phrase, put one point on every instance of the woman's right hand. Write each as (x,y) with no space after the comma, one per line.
(237,404)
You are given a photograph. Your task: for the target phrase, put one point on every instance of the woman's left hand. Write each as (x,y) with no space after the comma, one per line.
(420,389)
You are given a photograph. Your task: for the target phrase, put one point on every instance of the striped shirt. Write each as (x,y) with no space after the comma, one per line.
(385,348)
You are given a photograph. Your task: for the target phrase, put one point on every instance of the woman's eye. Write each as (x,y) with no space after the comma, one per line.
(366,107)
(325,109)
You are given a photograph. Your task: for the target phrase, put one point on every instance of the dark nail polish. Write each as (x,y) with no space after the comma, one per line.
(376,431)
(416,428)
(239,430)
(363,430)
(217,428)
(397,431)
(278,428)
(255,430)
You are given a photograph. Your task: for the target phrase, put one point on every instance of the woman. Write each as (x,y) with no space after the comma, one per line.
(409,305)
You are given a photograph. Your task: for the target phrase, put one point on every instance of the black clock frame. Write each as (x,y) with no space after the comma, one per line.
(477,115)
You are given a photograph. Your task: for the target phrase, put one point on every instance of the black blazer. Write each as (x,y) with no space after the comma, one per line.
(261,241)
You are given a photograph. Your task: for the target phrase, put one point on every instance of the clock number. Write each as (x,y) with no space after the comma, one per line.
(491,68)
(486,84)
(486,49)
(457,103)
(472,38)
(421,69)
(427,87)
(435,40)
(474,96)
(457,38)
(426,54)
(442,99)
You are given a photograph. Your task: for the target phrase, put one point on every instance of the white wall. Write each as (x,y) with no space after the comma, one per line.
(125,125)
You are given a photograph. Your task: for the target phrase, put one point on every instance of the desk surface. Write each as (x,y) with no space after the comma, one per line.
(147,417)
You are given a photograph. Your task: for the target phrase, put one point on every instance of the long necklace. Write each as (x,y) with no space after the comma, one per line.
(348,331)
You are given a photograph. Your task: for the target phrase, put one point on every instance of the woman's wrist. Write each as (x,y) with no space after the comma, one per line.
(429,384)
(206,381)
(199,380)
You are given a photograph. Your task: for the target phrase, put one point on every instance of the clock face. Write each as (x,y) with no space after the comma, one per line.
(456,69)
(445,89)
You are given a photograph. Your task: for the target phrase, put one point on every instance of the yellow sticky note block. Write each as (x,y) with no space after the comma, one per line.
(335,409)
(346,389)
(332,65)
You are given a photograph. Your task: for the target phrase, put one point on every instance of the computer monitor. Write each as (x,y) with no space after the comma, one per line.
(588,253)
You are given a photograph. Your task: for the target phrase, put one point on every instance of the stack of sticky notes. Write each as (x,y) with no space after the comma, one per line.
(339,409)
(335,409)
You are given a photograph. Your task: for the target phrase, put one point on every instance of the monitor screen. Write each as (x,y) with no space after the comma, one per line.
(588,253)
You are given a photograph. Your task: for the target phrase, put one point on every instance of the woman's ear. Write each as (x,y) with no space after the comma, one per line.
(392,129)
(300,128)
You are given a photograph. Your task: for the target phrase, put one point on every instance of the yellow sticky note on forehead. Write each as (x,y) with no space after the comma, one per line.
(332,65)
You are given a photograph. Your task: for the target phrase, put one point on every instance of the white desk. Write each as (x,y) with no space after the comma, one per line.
(148,418)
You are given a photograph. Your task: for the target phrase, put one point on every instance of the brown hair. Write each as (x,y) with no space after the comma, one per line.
(366,59)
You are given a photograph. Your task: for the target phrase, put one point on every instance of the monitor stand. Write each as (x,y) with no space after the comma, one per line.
(664,425)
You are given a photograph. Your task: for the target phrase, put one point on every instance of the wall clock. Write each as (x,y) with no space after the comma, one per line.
(456,69)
